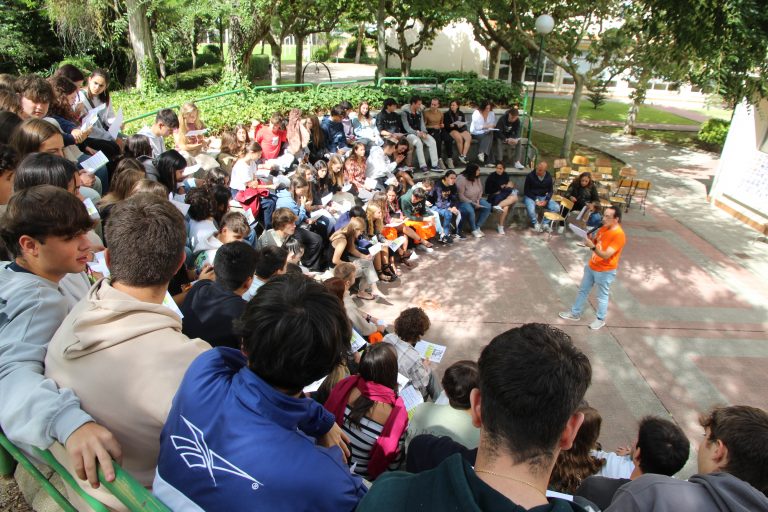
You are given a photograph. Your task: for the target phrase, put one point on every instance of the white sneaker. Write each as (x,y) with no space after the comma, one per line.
(567,315)
(414,256)
(481,157)
(498,208)
(518,165)
(500,230)
(537,227)
(547,227)
(478,234)
(597,324)
(429,250)
(441,164)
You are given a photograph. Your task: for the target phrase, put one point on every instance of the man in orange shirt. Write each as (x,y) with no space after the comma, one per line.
(606,246)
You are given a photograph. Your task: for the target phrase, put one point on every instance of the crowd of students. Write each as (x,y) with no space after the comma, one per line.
(158,324)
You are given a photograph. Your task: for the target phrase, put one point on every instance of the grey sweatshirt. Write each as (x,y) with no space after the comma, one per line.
(33,410)
(713,492)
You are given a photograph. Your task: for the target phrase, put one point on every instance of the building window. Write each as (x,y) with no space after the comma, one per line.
(547,70)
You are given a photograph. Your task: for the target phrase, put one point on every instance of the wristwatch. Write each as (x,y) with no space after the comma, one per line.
(594,248)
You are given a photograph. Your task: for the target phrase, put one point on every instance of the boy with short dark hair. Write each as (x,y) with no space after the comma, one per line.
(232,228)
(44,231)
(270,261)
(333,129)
(238,430)
(165,122)
(210,307)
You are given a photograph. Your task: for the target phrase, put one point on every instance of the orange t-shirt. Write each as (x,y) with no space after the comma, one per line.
(606,239)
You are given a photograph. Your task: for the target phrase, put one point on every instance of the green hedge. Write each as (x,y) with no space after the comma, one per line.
(185,64)
(233,109)
(441,76)
(192,79)
(258,67)
(713,133)
(326,53)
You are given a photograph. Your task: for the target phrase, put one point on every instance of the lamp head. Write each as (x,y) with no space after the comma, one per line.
(544,24)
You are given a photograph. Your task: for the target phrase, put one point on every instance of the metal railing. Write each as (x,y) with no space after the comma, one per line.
(345,82)
(429,79)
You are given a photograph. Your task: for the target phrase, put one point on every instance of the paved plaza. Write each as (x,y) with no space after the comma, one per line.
(687,325)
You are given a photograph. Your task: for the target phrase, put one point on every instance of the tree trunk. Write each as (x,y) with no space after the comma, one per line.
(493,62)
(381,41)
(638,98)
(405,67)
(359,49)
(299,58)
(161,65)
(193,45)
(194,57)
(141,41)
(239,50)
(221,36)
(573,115)
(276,49)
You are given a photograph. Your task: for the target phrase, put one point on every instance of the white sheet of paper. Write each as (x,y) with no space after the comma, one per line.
(114,128)
(581,213)
(577,230)
(357,341)
(345,206)
(321,213)
(430,351)
(249,215)
(99,264)
(346,188)
(460,123)
(397,243)
(375,249)
(395,222)
(191,169)
(411,399)
(365,195)
(93,213)
(370,183)
(170,304)
(195,133)
(91,117)
(96,161)
(326,199)
(181,206)
(391,181)
(315,385)
(402,381)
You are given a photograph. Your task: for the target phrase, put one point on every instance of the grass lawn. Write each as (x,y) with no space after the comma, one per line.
(673,138)
(288,53)
(557,108)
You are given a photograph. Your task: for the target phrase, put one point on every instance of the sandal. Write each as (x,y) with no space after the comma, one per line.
(393,269)
(387,271)
(365,295)
(426,243)
(384,277)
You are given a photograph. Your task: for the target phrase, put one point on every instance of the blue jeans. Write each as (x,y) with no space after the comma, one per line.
(595,219)
(530,206)
(446,216)
(603,281)
(468,214)
(438,226)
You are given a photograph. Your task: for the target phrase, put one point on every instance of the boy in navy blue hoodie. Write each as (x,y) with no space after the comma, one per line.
(238,432)
(211,307)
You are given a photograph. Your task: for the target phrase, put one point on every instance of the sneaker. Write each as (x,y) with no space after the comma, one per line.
(463,159)
(459,236)
(414,256)
(489,164)
(437,168)
(500,230)
(597,324)
(448,239)
(518,165)
(477,233)
(481,157)
(424,168)
(547,228)
(498,208)
(443,239)
(537,227)
(449,163)
(440,164)
(567,315)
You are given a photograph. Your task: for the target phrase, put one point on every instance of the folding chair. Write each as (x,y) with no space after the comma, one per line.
(559,163)
(603,162)
(565,204)
(580,160)
(642,188)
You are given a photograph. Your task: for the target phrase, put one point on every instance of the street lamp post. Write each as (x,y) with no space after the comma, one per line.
(544,25)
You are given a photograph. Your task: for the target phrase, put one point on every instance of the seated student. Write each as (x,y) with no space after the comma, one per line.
(8,121)
(410,326)
(94,95)
(661,448)
(283,226)
(137,146)
(481,127)
(297,135)
(417,135)
(193,147)
(453,419)
(166,121)
(583,192)
(474,209)
(129,172)
(248,409)
(389,122)
(365,324)
(502,194)
(574,465)
(364,126)
(295,199)
(270,262)
(445,199)
(333,130)
(230,150)
(211,307)
(508,137)
(35,96)
(243,177)
(532,378)
(200,213)
(344,248)
(537,192)
(316,146)
(346,122)
(355,166)
(8,161)
(732,462)
(322,184)
(380,165)
(232,228)
(433,119)
(120,349)
(272,138)
(417,217)
(44,230)
(455,122)
(336,172)
(367,408)
(384,260)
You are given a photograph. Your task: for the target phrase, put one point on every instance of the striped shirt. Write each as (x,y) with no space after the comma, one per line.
(361,441)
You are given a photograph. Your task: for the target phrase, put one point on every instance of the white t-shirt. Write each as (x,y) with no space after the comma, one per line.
(157,142)
(616,466)
(476,127)
(242,173)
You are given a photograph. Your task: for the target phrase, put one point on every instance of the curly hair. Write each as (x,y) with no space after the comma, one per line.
(60,106)
(9,159)
(411,325)
(576,464)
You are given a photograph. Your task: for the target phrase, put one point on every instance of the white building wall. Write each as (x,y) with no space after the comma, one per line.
(454,49)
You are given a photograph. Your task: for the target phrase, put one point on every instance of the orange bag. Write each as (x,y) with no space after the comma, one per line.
(375,337)
(389,233)
(423,229)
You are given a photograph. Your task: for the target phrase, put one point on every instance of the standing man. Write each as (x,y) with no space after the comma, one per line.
(606,246)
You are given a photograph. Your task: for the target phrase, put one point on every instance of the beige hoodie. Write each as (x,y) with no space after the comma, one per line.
(125,359)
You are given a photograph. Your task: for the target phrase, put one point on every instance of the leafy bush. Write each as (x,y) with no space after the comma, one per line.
(326,52)
(474,91)
(84,63)
(713,133)
(212,49)
(185,64)
(349,52)
(195,78)
(258,67)
(441,76)
(598,94)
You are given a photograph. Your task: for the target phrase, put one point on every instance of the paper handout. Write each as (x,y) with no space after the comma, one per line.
(430,351)
(114,128)
(577,230)
(96,161)
(411,399)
